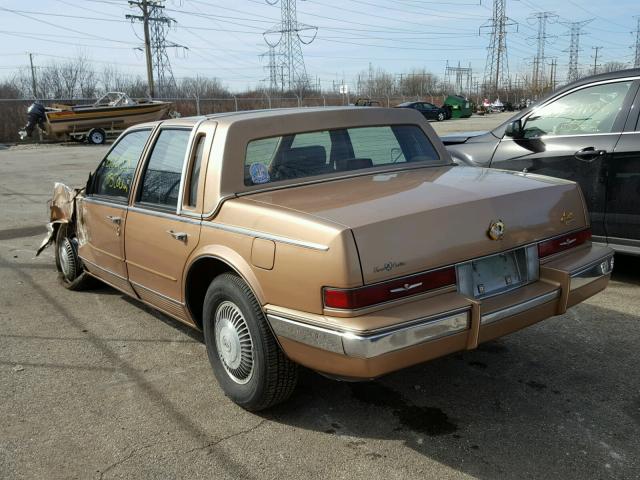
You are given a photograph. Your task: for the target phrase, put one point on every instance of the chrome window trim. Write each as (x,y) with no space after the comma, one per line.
(374,343)
(185,162)
(519,308)
(571,136)
(266,236)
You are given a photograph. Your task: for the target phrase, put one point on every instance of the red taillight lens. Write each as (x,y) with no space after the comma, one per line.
(560,244)
(353,298)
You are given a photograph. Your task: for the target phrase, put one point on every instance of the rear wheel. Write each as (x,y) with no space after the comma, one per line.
(72,273)
(441,116)
(246,359)
(96,136)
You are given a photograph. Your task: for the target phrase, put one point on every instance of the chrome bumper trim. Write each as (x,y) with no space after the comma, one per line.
(519,308)
(592,272)
(372,344)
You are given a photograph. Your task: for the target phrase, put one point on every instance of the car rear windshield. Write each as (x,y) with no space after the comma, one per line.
(309,154)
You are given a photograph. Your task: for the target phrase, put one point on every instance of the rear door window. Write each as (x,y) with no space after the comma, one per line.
(161,179)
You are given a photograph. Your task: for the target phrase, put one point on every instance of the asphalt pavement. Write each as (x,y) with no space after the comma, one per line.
(96,385)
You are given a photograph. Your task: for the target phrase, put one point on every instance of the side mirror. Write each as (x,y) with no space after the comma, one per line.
(514,129)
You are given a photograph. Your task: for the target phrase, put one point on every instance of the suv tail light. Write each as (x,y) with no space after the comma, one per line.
(565,242)
(353,298)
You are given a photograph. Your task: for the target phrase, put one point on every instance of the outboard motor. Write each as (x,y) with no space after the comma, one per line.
(35,116)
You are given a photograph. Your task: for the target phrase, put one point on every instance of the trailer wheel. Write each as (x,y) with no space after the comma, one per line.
(96,136)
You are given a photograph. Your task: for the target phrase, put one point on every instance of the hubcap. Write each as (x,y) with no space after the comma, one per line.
(233,342)
(96,137)
(67,255)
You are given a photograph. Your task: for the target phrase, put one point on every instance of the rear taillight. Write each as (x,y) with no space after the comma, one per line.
(353,298)
(565,242)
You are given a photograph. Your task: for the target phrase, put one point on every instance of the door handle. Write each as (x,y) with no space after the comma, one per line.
(114,219)
(180,236)
(589,154)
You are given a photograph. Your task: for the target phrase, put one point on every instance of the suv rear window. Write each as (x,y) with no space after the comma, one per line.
(309,154)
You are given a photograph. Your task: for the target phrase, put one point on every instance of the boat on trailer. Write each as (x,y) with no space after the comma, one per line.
(109,115)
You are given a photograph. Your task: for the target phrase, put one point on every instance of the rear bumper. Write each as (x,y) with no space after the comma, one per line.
(339,346)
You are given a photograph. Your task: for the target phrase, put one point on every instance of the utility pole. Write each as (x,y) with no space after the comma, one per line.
(156,25)
(636,61)
(33,77)
(595,59)
(144,18)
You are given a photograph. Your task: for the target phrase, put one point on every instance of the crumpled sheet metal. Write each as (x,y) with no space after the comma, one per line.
(62,209)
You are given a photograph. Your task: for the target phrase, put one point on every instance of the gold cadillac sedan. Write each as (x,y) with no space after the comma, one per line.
(341,239)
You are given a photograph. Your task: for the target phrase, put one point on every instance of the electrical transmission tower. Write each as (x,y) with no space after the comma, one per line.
(542,18)
(575,31)
(462,76)
(292,70)
(272,68)
(636,57)
(156,27)
(496,70)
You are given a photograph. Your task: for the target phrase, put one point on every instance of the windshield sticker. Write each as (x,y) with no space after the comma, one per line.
(259,173)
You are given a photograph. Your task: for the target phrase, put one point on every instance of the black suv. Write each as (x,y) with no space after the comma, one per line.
(588,132)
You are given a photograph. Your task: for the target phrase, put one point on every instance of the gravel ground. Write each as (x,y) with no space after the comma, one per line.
(95,385)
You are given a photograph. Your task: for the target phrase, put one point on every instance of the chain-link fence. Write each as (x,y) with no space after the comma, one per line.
(13,112)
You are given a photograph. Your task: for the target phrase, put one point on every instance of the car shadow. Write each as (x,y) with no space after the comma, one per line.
(558,400)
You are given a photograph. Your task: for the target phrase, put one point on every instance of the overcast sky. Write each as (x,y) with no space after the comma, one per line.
(225,38)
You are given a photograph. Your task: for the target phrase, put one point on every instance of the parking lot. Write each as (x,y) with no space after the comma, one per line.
(96,385)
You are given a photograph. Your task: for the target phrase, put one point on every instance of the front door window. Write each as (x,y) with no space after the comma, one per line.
(587,111)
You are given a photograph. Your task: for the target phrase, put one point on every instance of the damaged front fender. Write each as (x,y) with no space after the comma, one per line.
(62,209)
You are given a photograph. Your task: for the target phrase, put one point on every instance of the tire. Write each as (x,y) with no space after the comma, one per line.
(72,273)
(441,116)
(246,359)
(96,136)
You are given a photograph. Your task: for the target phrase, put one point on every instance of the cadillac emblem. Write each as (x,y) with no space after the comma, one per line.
(496,230)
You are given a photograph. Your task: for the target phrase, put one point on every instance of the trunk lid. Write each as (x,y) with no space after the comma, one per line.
(414,220)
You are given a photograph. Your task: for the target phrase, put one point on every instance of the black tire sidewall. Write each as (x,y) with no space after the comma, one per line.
(227,287)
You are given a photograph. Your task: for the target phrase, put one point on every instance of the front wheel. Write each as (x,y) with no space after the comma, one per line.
(68,263)
(246,359)
(440,116)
